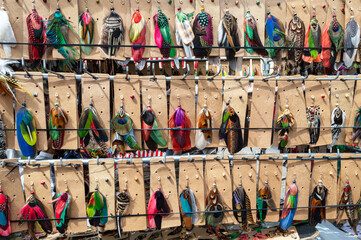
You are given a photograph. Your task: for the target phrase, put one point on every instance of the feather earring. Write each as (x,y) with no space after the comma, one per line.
(184,32)
(162,35)
(296,33)
(326,45)
(34,210)
(97,209)
(123,126)
(275,35)
(318,198)
(356,126)
(180,138)
(57,121)
(314,122)
(37,34)
(188,207)
(335,32)
(137,32)
(158,208)
(6,32)
(57,33)
(264,201)
(251,37)
(204,123)
(351,42)
(289,207)
(151,135)
(228,35)
(3,144)
(91,133)
(123,201)
(313,40)
(230,130)
(86,30)
(5,228)
(285,122)
(61,205)
(26,131)
(203,34)
(240,203)
(346,199)
(111,33)
(338,118)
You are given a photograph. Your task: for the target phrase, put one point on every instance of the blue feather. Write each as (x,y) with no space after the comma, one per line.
(26,149)
(272,23)
(3,220)
(185,206)
(286,221)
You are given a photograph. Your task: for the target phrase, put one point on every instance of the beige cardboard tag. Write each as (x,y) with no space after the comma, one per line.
(191,173)
(218,172)
(11,185)
(8,119)
(356,104)
(63,92)
(72,178)
(263,99)
(163,175)
(131,177)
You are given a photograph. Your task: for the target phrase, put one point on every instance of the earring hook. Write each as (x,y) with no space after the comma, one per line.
(159,185)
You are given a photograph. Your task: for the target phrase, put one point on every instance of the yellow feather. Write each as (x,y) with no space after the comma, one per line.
(135,30)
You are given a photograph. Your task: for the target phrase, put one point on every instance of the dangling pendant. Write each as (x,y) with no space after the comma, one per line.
(313,120)
(285,122)
(264,201)
(338,117)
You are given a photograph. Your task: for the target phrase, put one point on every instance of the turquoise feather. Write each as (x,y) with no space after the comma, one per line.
(187,209)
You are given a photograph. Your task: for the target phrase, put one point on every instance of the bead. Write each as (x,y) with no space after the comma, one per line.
(342,9)
(323,96)
(35,95)
(347,95)
(250,175)
(136,179)
(312,112)
(42,182)
(278,4)
(223,174)
(32,192)
(1,191)
(168,177)
(191,1)
(106,180)
(132,96)
(258,2)
(237,2)
(323,6)
(179,105)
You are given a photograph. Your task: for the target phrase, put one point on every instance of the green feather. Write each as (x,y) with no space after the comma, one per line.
(53,134)
(157,135)
(83,133)
(90,210)
(249,49)
(164,27)
(181,16)
(130,141)
(225,116)
(249,31)
(260,207)
(311,44)
(172,50)
(99,202)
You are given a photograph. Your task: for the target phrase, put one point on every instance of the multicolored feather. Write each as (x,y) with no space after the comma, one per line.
(205,133)
(284,124)
(275,35)
(356,126)
(137,32)
(230,130)
(97,209)
(123,201)
(157,204)
(351,42)
(180,138)
(34,210)
(188,206)
(326,47)
(228,35)
(5,228)
(6,32)
(26,131)
(57,121)
(57,33)
(86,31)
(264,201)
(203,34)
(37,34)
(61,205)
(251,37)
(289,207)
(162,35)
(335,32)
(151,135)
(296,33)
(111,34)
(346,199)
(318,198)
(338,118)
(240,203)
(183,32)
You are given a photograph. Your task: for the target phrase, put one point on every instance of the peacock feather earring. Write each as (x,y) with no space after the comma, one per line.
(137,34)
(97,209)
(183,31)
(264,201)
(285,122)
(289,207)
(61,205)
(162,35)
(5,228)
(86,30)
(336,33)
(204,123)
(188,206)
(26,131)
(275,35)
(318,198)
(314,122)
(57,121)
(228,34)
(338,118)
(346,199)
(203,34)
(6,31)
(123,201)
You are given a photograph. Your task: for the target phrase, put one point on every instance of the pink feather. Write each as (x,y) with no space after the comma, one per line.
(157,35)
(152,208)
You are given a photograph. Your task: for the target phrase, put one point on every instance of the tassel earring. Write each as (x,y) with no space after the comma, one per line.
(204,123)
(6,32)
(289,207)
(318,198)
(111,33)
(57,121)
(123,201)
(230,130)
(338,117)
(228,35)
(151,135)
(183,32)
(264,201)
(86,30)
(313,40)
(180,138)
(346,199)
(314,123)
(284,124)
(26,131)
(123,126)
(188,206)
(137,35)
(157,205)
(5,228)
(162,35)
(240,203)
(203,34)
(61,205)
(251,37)
(97,209)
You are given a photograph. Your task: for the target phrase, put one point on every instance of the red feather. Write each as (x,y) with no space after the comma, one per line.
(326,43)
(95,131)
(5,229)
(37,34)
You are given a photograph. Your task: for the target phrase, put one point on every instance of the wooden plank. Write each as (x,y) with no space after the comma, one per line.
(72,178)
(210,92)
(218,172)
(11,185)
(132,176)
(300,171)
(165,172)
(98,92)
(64,92)
(154,93)
(319,90)
(192,173)
(262,107)
(102,176)
(8,119)
(123,90)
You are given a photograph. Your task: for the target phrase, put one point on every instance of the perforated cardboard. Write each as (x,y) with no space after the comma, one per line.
(8,119)
(350,120)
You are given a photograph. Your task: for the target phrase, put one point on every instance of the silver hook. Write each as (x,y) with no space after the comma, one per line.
(149,99)
(61,76)
(125,185)
(272,76)
(66,186)
(178,97)
(205,101)
(85,70)
(187,181)
(159,184)
(242,77)
(240,180)
(215,75)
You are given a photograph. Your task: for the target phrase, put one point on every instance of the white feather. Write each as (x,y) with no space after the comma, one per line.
(336,127)
(194,207)
(355,42)
(6,32)
(201,141)
(5,68)
(221,34)
(177,34)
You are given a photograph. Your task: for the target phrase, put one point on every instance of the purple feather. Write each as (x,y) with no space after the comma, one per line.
(179,117)
(236,199)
